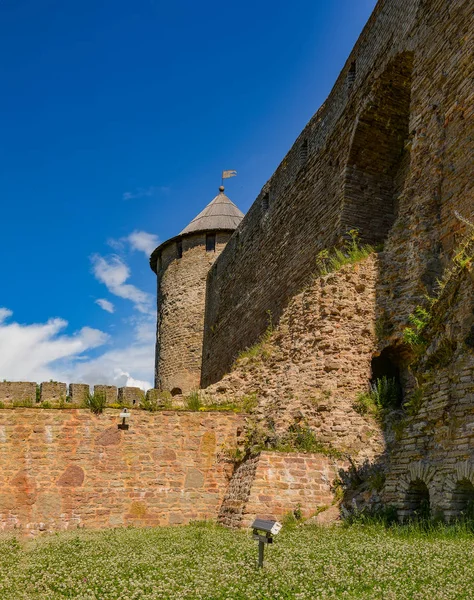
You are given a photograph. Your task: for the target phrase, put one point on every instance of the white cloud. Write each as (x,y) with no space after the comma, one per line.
(30,351)
(113,272)
(4,314)
(148,192)
(41,351)
(143,241)
(105,305)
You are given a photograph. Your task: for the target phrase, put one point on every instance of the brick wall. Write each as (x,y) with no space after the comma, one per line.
(274,484)
(61,469)
(433,450)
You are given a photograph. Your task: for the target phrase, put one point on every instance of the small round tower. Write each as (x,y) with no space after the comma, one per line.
(181,265)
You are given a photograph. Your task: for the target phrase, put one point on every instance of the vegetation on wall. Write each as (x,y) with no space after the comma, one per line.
(328,261)
(428,316)
(299,437)
(384,395)
(96,402)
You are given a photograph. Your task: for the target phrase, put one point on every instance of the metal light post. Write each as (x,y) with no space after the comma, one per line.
(263,532)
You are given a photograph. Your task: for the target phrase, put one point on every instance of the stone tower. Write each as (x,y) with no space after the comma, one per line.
(181,265)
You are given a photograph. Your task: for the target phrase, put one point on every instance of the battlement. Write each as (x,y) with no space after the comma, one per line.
(55,394)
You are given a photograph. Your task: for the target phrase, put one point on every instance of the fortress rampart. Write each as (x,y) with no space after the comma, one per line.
(388,153)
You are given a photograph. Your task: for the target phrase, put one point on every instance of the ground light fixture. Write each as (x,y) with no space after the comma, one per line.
(124,415)
(263,532)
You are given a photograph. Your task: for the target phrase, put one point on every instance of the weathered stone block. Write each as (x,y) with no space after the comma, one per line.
(22,392)
(53,391)
(78,393)
(130,396)
(110,392)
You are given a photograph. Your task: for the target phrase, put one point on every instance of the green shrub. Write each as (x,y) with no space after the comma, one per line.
(26,403)
(376,480)
(96,402)
(413,335)
(414,402)
(365,404)
(249,402)
(292,518)
(301,438)
(193,401)
(385,394)
(163,401)
(328,261)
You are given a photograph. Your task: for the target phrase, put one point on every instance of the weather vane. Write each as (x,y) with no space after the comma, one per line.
(227,174)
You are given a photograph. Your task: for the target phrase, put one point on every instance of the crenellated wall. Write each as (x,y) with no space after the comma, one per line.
(55,393)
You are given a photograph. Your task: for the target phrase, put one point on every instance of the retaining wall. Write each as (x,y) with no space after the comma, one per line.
(67,468)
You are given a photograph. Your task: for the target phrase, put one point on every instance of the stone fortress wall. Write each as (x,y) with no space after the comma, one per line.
(182,269)
(68,468)
(389,152)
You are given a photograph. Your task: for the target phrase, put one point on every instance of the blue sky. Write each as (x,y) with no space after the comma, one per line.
(116,120)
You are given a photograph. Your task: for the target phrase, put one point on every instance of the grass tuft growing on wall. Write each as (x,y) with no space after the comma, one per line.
(96,402)
(329,261)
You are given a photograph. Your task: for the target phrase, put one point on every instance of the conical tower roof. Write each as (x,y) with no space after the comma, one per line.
(220,214)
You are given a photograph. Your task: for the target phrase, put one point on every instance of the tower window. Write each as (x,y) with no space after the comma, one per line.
(210,242)
(179,248)
(266,202)
(351,75)
(304,152)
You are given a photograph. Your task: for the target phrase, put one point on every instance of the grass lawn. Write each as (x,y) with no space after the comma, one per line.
(209,562)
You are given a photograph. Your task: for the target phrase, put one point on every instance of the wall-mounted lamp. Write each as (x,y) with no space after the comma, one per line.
(124,415)
(263,532)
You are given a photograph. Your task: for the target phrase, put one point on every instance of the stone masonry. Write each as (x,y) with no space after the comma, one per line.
(67,468)
(389,152)
(274,484)
(315,362)
(181,302)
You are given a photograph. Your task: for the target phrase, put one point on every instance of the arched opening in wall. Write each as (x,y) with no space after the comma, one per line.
(417,501)
(176,391)
(462,502)
(378,159)
(386,380)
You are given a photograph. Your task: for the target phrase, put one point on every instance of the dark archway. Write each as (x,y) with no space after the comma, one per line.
(386,376)
(379,156)
(417,501)
(462,500)
(176,391)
